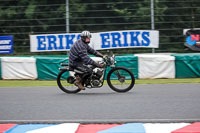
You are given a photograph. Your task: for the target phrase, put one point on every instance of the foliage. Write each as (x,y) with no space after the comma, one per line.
(25,17)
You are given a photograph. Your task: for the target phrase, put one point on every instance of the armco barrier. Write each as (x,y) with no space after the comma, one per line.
(186,66)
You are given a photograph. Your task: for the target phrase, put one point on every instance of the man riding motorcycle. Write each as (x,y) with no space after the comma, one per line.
(78,57)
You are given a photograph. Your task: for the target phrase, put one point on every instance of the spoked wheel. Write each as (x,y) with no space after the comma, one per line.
(120,79)
(66,82)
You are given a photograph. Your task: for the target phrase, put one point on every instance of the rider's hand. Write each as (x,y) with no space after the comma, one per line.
(105,56)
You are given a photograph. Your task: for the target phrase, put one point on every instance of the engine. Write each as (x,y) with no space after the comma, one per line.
(95,83)
(96,77)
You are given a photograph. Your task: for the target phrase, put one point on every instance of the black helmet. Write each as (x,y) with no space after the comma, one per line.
(85,34)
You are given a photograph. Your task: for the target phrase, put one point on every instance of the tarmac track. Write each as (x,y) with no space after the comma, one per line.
(145,103)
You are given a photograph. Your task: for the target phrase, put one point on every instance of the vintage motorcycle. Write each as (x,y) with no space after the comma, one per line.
(119,79)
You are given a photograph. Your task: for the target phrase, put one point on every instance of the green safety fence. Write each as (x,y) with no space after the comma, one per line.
(48,67)
(130,62)
(187,65)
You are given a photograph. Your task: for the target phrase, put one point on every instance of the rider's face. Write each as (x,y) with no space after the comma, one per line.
(87,40)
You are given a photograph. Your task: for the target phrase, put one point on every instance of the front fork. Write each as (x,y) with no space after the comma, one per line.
(105,74)
(120,77)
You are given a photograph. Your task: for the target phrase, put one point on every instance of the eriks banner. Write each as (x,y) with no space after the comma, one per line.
(99,41)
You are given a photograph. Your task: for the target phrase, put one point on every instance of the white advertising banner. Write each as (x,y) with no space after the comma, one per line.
(99,41)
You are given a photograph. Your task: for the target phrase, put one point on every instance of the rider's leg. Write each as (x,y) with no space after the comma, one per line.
(78,82)
(86,70)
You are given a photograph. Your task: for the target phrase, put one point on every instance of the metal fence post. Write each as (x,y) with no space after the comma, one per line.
(67,19)
(152,20)
(67,16)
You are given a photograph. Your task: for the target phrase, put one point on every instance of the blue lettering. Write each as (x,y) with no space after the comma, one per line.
(52,40)
(146,41)
(69,40)
(79,36)
(125,39)
(105,42)
(41,44)
(116,39)
(134,38)
(61,41)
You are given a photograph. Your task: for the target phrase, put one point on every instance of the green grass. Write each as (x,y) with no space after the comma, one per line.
(27,83)
(167,81)
(34,83)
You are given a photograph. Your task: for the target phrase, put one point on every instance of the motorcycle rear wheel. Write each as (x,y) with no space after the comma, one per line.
(64,81)
(120,79)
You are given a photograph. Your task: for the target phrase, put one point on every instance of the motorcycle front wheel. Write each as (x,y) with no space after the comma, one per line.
(120,79)
(65,82)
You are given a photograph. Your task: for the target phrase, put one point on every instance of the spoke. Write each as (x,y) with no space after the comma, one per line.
(120,79)
(65,83)
(117,73)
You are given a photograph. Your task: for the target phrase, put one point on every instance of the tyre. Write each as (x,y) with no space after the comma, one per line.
(120,79)
(66,82)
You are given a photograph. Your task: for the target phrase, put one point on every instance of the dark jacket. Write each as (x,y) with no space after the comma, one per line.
(79,54)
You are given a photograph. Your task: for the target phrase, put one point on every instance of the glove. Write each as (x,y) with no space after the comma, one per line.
(105,56)
(99,65)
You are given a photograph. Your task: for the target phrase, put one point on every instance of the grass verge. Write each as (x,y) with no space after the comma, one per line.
(35,83)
